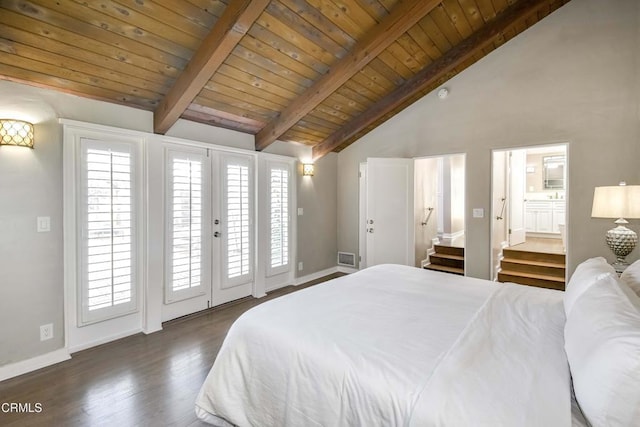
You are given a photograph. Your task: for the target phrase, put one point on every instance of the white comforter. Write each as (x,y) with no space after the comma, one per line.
(394,346)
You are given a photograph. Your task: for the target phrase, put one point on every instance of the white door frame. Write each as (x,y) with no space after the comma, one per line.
(362,215)
(567,146)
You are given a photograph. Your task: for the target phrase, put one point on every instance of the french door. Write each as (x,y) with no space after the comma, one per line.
(209,229)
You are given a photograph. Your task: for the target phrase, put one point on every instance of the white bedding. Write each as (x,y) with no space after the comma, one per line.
(394,346)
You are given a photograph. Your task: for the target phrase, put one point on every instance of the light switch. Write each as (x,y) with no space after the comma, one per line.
(300,211)
(44,224)
(478,212)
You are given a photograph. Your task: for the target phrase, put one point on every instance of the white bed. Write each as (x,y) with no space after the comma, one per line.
(395,346)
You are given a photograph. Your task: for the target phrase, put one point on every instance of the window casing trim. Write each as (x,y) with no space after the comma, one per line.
(84,316)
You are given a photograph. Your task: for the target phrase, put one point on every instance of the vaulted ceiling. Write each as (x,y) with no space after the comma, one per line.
(318,72)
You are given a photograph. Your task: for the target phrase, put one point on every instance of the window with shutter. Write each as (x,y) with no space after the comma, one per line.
(279,218)
(108,232)
(237,211)
(185,225)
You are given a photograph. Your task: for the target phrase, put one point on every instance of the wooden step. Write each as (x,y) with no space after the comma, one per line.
(531,279)
(537,267)
(446,259)
(534,256)
(445,269)
(449,250)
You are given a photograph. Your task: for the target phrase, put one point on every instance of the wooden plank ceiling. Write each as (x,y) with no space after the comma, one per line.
(318,72)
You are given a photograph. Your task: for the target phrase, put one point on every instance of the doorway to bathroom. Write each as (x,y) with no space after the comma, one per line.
(529,220)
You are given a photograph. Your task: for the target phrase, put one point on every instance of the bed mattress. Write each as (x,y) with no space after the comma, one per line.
(394,346)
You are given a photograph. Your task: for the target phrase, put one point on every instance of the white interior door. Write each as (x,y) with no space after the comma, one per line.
(516,199)
(390,214)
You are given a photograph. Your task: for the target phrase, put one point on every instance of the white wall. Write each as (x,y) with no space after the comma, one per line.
(317,196)
(572,77)
(31,263)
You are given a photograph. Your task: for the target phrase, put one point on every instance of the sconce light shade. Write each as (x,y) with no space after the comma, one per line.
(308,169)
(16,132)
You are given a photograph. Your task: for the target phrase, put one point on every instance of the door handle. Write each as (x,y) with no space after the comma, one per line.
(216,234)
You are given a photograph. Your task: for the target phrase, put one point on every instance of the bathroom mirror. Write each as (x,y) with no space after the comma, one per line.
(553,172)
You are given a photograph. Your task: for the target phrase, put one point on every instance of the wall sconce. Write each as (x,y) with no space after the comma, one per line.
(308,169)
(619,201)
(16,132)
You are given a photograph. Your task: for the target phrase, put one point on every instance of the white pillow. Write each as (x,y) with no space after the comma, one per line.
(602,342)
(631,276)
(586,274)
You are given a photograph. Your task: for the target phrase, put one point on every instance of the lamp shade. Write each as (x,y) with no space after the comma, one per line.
(618,201)
(16,132)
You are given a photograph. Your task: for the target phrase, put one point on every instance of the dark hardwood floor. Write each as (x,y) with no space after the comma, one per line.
(142,380)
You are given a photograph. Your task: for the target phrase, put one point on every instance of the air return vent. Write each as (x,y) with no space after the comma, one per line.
(347,259)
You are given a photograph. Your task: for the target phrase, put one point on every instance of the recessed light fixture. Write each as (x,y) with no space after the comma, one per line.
(443,93)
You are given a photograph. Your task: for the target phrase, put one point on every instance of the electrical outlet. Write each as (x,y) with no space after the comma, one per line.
(46,332)
(43,224)
(300,266)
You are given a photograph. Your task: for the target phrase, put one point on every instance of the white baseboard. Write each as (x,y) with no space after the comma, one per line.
(148,331)
(25,366)
(84,346)
(544,235)
(313,276)
(279,286)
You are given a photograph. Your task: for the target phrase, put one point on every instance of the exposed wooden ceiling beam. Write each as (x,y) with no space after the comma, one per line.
(211,116)
(223,38)
(430,74)
(405,15)
(208,115)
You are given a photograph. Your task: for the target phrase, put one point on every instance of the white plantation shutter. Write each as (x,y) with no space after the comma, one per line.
(107,226)
(186,174)
(279,215)
(237,220)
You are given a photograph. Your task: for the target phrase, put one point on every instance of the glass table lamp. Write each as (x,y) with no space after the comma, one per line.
(621,202)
